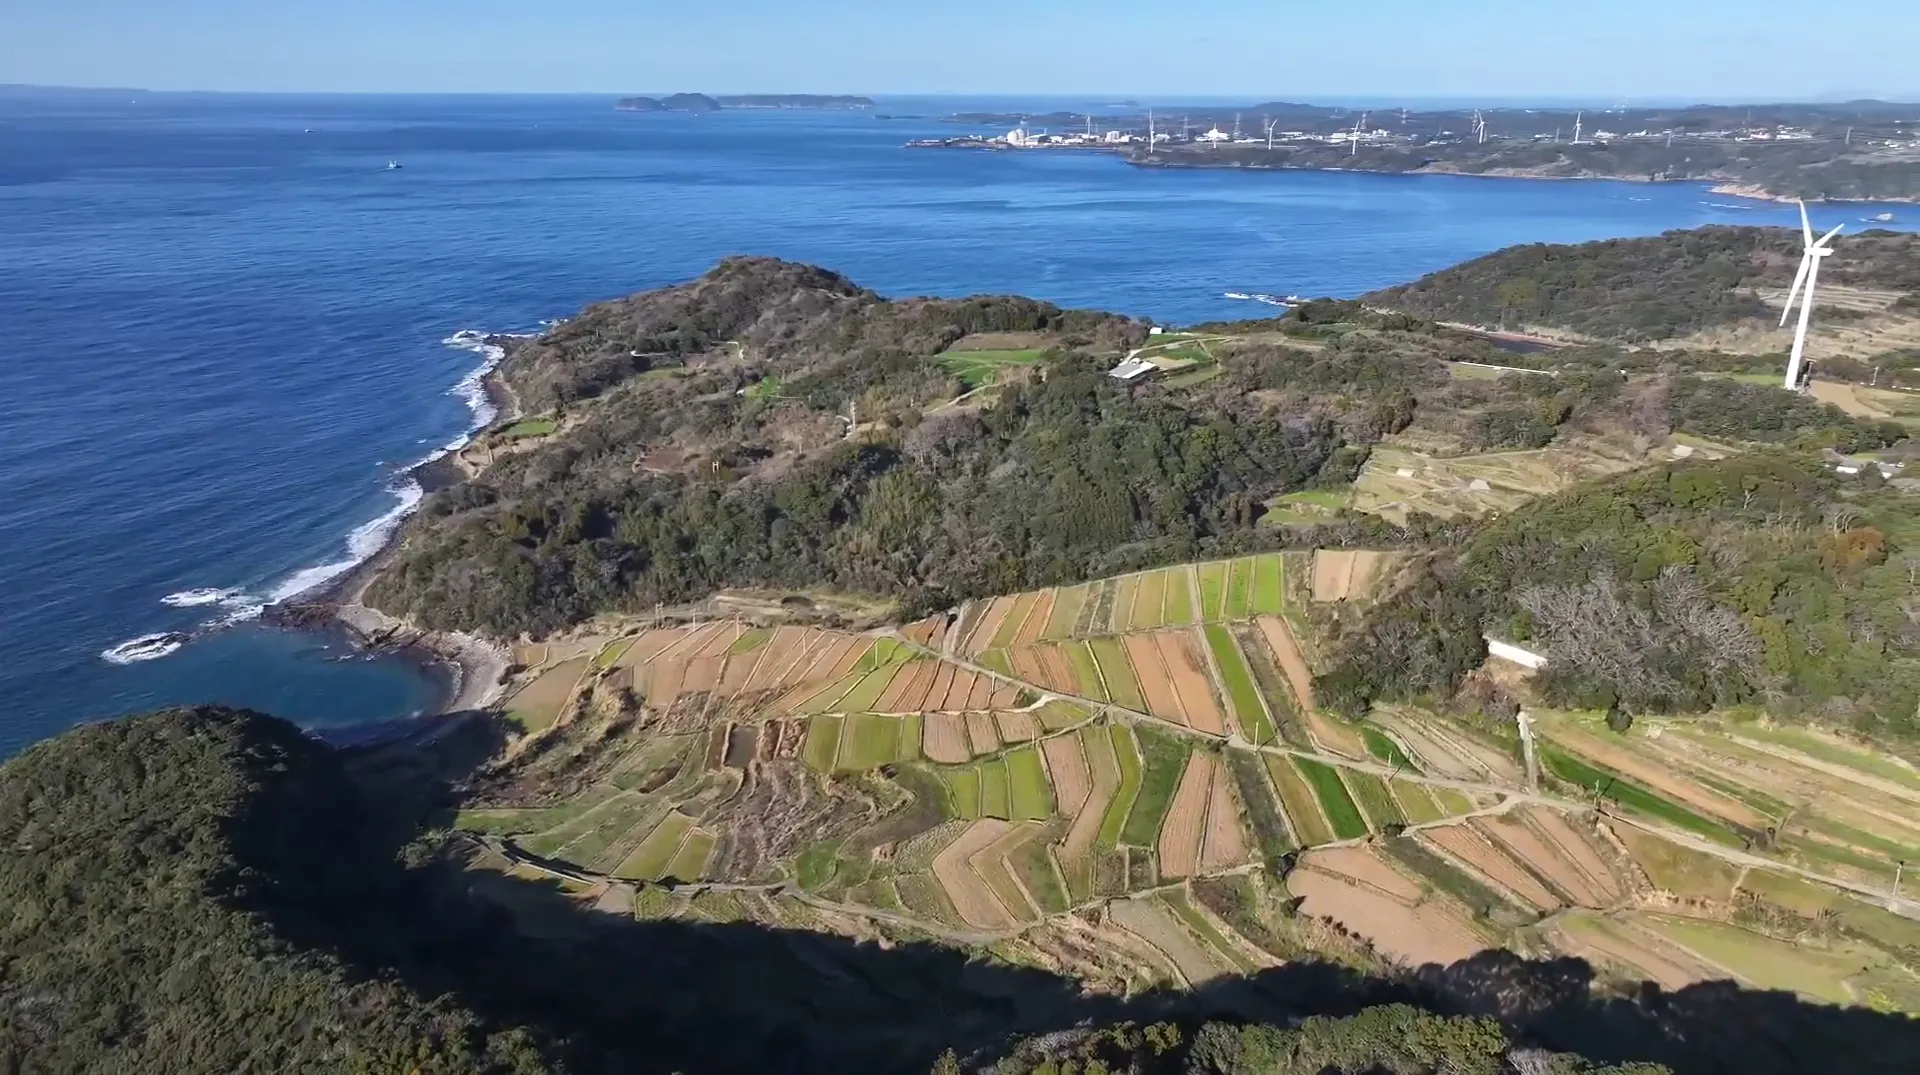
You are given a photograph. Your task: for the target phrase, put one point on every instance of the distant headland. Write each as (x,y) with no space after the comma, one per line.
(700,102)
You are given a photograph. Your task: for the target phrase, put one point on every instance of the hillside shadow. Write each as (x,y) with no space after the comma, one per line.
(609,993)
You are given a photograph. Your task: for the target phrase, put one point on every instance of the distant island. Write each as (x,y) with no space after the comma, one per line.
(1855,151)
(700,102)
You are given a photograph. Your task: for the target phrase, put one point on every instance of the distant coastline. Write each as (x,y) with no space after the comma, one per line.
(700,102)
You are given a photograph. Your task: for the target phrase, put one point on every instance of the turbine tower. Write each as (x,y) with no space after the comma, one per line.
(1815,249)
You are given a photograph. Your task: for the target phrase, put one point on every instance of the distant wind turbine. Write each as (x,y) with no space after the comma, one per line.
(1809,272)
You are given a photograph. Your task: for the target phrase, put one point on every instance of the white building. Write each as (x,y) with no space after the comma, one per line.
(1215,135)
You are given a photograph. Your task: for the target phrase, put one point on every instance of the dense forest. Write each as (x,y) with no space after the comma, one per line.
(1761,580)
(1658,288)
(143,860)
(701,441)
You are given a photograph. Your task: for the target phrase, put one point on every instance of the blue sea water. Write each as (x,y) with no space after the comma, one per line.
(223,319)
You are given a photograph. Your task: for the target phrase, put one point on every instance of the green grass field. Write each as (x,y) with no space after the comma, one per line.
(822,747)
(1213,588)
(531,427)
(1374,798)
(1010,626)
(1764,961)
(1269,596)
(995,793)
(1586,777)
(1032,797)
(1416,805)
(1149,602)
(1127,756)
(1123,689)
(1197,922)
(1342,814)
(1164,757)
(1269,828)
(976,368)
(1239,599)
(1297,799)
(1067,603)
(1178,606)
(1385,750)
(649,861)
(1248,712)
(868,741)
(1815,747)
(1086,671)
(1034,866)
(963,791)
(691,861)
(752,640)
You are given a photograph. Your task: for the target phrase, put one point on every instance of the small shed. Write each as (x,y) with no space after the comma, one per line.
(1132,369)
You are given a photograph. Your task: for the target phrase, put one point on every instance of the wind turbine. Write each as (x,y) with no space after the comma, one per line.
(1815,249)
(1270,135)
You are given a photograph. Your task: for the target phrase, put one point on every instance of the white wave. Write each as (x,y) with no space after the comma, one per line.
(366,541)
(145,648)
(363,543)
(196,598)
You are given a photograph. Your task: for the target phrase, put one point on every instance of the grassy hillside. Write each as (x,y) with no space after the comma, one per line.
(697,438)
(1652,289)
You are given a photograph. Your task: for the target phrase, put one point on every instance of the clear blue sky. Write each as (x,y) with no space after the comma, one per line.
(1749,50)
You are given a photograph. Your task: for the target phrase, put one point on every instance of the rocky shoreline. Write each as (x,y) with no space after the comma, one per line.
(471,670)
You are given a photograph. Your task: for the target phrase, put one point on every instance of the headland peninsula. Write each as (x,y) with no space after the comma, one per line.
(1046,690)
(1854,151)
(700,102)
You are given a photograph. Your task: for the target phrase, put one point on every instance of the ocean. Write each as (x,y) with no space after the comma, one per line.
(231,329)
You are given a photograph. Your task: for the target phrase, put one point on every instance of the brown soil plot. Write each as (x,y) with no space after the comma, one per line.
(738,670)
(1027,667)
(1036,622)
(981,696)
(991,864)
(1292,662)
(1413,935)
(1658,778)
(959,692)
(982,733)
(988,626)
(1432,754)
(1225,845)
(703,674)
(1550,862)
(1363,866)
(647,647)
(1059,671)
(936,693)
(971,897)
(1180,834)
(1368,569)
(1067,769)
(943,738)
(720,638)
(1104,771)
(909,683)
(1600,941)
(1580,846)
(1004,697)
(1468,846)
(1188,670)
(780,651)
(1017,726)
(1147,920)
(664,682)
(1332,570)
(1144,655)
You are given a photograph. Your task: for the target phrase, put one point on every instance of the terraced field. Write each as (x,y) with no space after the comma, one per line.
(1129,779)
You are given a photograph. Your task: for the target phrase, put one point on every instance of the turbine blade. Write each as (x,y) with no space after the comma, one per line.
(1799,278)
(1823,239)
(1806,227)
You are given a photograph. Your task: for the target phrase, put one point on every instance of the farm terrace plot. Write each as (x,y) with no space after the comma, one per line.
(1397,482)
(1366,895)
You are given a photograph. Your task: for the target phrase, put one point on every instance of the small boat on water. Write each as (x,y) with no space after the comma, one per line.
(1238,295)
(393,166)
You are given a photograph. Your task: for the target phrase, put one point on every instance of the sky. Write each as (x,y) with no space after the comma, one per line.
(1624,50)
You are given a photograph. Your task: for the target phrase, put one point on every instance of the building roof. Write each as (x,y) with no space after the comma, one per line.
(1132,369)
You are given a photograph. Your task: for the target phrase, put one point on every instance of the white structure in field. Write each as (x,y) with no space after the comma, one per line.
(1815,249)
(1017,136)
(1132,368)
(1507,651)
